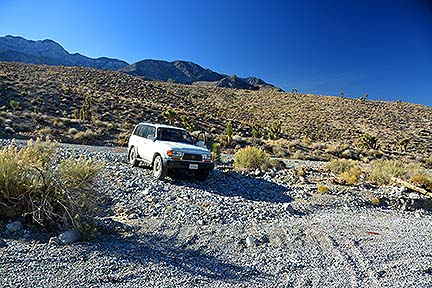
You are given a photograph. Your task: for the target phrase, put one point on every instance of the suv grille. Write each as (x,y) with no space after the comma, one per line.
(194,157)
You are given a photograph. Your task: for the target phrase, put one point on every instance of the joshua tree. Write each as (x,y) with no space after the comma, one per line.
(229,132)
(170,116)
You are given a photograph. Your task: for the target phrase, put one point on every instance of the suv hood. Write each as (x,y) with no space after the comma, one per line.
(183,147)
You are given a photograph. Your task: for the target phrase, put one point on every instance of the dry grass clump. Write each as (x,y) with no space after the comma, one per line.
(383,170)
(348,170)
(250,158)
(53,193)
(85,136)
(321,189)
(424,181)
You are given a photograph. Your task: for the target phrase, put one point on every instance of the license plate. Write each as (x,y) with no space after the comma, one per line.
(193,166)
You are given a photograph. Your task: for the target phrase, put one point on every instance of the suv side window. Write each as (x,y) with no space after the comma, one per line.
(151,131)
(138,130)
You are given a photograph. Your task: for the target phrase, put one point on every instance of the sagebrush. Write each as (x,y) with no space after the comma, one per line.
(52,192)
(250,158)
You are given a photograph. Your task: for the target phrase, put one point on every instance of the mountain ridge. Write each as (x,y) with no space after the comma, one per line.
(49,52)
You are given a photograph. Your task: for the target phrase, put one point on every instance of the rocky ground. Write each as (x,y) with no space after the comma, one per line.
(235,230)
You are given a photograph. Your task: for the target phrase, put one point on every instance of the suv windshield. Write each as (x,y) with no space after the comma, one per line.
(174,135)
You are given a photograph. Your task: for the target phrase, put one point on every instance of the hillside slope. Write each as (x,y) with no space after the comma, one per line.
(115,102)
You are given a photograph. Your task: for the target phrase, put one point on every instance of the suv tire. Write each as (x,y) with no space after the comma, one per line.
(159,170)
(133,159)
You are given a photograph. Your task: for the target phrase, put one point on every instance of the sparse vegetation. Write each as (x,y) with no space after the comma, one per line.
(186,123)
(229,132)
(275,130)
(321,189)
(60,92)
(170,115)
(52,192)
(251,158)
(257,131)
(14,104)
(369,142)
(424,181)
(382,171)
(375,201)
(216,151)
(348,170)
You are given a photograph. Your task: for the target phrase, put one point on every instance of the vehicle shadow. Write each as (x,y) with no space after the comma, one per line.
(232,184)
(167,252)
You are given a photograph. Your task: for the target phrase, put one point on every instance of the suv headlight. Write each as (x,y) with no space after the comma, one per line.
(175,154)
(206,157)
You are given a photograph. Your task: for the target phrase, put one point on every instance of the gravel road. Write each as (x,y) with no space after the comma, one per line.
(234,230)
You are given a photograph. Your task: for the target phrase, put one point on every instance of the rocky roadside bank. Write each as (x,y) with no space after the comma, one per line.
(235,230)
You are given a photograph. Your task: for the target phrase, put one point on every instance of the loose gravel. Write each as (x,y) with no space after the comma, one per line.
(234,230)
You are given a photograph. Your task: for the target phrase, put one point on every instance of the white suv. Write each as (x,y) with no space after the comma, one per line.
(166,147)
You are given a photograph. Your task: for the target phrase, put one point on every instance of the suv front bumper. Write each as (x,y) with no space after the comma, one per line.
(179,164)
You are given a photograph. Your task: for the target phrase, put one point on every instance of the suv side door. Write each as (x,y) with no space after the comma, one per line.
(135,138)
(146,143)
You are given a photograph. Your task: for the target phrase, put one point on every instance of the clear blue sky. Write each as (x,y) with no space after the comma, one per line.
(379,47)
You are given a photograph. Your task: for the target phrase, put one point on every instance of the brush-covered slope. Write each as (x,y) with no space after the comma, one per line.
(50,98)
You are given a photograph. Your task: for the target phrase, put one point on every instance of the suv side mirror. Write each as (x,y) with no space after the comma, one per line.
(151,137)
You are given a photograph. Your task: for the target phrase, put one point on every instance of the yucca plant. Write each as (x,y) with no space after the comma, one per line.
(170,116)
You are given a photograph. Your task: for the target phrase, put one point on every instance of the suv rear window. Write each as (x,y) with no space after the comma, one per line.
(144,131)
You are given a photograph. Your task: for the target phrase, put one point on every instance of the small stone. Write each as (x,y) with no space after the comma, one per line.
(417,214)
(201,222)
(9,130)
(250,241)
(14,226)
(146,191)
(413,195)
(133,216)
(54,241)
(69,236)
(257,172)
(3,243)
(288,207)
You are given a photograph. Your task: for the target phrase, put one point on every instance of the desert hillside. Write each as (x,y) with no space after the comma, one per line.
(84,105)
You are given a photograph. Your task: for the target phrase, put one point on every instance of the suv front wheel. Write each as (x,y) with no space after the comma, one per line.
(159,170)
(133,159)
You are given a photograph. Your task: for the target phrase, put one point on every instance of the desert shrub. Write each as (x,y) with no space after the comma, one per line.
(257,131)
(85,136)
(187,124)
(369,142)
(72,131)
(122,139)
(321,189)
(348,170)
(51,192)
(14,104)
(375,201)
(351,176)
(275,130)
(170,116)
(382,170)
(403,144)
(339,166)
(250,158)
(216,151)
(424,181)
